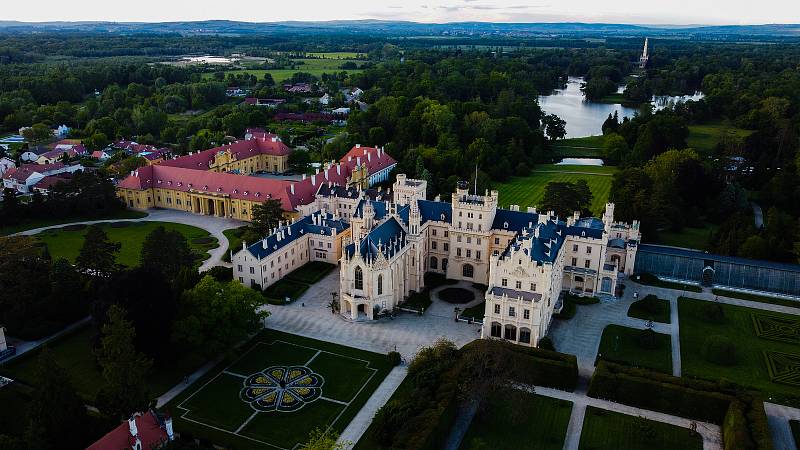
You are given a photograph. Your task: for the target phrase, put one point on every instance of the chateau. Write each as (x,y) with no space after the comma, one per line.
(384,247)
(223,181)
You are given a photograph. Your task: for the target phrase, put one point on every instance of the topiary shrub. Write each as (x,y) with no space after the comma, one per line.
(719,350)
(546,343)
(394,358)
(712,312)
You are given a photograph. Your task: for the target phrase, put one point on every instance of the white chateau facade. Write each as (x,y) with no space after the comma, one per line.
(525,258)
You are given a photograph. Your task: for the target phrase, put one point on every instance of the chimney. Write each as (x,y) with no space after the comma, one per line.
(358,161)
(264,244)
(338,169)
(369,157)
(132,426)
(304,177)
(291,188)
(313,180)
(358,145)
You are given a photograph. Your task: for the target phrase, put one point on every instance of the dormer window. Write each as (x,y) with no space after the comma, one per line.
(190,185)
(245,193)
(442,217)
(205,187)
(219,189)
(258,194)
(235,191)
(505,225)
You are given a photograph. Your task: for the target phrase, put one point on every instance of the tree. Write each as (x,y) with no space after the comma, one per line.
(56,415)
(554,127)
(214,315)
(98,255)
(22,268)
(615,148)
(266,216)
(123,368)
(166,251)
(37,133)
(323,440)
(565,198)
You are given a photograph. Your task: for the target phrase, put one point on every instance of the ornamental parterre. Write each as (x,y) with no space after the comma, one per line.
(282,388)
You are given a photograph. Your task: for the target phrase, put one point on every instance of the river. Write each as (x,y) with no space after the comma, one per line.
(586,118)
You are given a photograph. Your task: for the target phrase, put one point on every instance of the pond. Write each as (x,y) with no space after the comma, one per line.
(580,162)
(586,118)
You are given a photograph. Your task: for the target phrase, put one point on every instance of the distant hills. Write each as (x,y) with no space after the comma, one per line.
(401,28)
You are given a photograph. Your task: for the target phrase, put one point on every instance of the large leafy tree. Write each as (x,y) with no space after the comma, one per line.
(22,268)
(565,198)
(57,416)
(123,368)
(166,251)
(98,254)
(216,315)
(266,216)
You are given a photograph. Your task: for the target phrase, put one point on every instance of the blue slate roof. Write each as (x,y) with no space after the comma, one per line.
(326,226)
(387,238)
(540,243)
(433,211)
(516,220)
(593,233)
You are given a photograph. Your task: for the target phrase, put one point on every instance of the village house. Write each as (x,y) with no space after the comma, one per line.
(24,177)
(6,164)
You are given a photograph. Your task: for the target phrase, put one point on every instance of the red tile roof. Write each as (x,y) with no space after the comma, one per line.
(24,171)
(241,149)
(49,181)
(149,431)
(376,159)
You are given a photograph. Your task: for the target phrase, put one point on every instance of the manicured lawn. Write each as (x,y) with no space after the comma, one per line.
(311,272)
(534,422)
(795,426)
(314,66)
(528,191)
(650,308)
(756,298)
(476,312)
(582,147)
(283,288)
(456,295)
(666,284)
(63,243)
(213,407)
(73,352)
(570,305)
(777,346)
(122,214)
(234,236)
(605,430)
(704,138)
(697,238)
(418,300)
(14,399)
(625,346)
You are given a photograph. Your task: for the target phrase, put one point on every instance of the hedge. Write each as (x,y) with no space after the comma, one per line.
(536,366)
(739,413)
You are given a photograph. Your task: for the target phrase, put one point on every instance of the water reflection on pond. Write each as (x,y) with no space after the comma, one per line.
(580,162)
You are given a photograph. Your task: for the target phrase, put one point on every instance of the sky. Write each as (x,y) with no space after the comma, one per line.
(675,12)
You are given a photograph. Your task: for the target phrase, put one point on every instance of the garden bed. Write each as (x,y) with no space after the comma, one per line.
(650,308)
(638,348)
(283,288)
(311,272)
(458,296)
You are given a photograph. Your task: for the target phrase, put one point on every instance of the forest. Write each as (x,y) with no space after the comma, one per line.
(445,112)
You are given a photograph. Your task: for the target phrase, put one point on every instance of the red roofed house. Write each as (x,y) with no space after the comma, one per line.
(22,178)
(214,182)
(55,155)
(140,432)
(43,186)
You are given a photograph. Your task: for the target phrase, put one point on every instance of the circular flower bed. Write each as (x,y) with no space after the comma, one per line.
(456,295)
(282,388)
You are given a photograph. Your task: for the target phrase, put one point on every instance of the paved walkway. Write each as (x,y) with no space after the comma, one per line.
(26,346)
(214,225)
(710,433)
(758,215)
(779,417)
(406,333)
(356,428)
(675,336)
(180,387)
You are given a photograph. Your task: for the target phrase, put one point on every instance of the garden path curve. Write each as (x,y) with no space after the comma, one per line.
(213,225)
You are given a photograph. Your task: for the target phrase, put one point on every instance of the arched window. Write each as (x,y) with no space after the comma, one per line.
(511,333)
(434,263)
(496,330)
(524,336)
(467,271)
(444,264)
(358,276)
(380,284)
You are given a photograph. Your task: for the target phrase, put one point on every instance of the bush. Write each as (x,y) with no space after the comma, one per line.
(546,343)
(394,358)
(719,350)
(221,273)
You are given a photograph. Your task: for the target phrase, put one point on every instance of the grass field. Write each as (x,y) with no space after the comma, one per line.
(738,324)
(335,55)
(234,236)
(704,138)
(528,191)
(252,402)
(650,308)
(122,214)
(73,352)
(541,424)
(604,430)
(476,312)
(623,345)
(67,244)
(587,147)
(314,66)
(756,298)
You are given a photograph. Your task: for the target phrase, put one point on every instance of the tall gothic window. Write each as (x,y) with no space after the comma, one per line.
(380,284)
(359,278)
